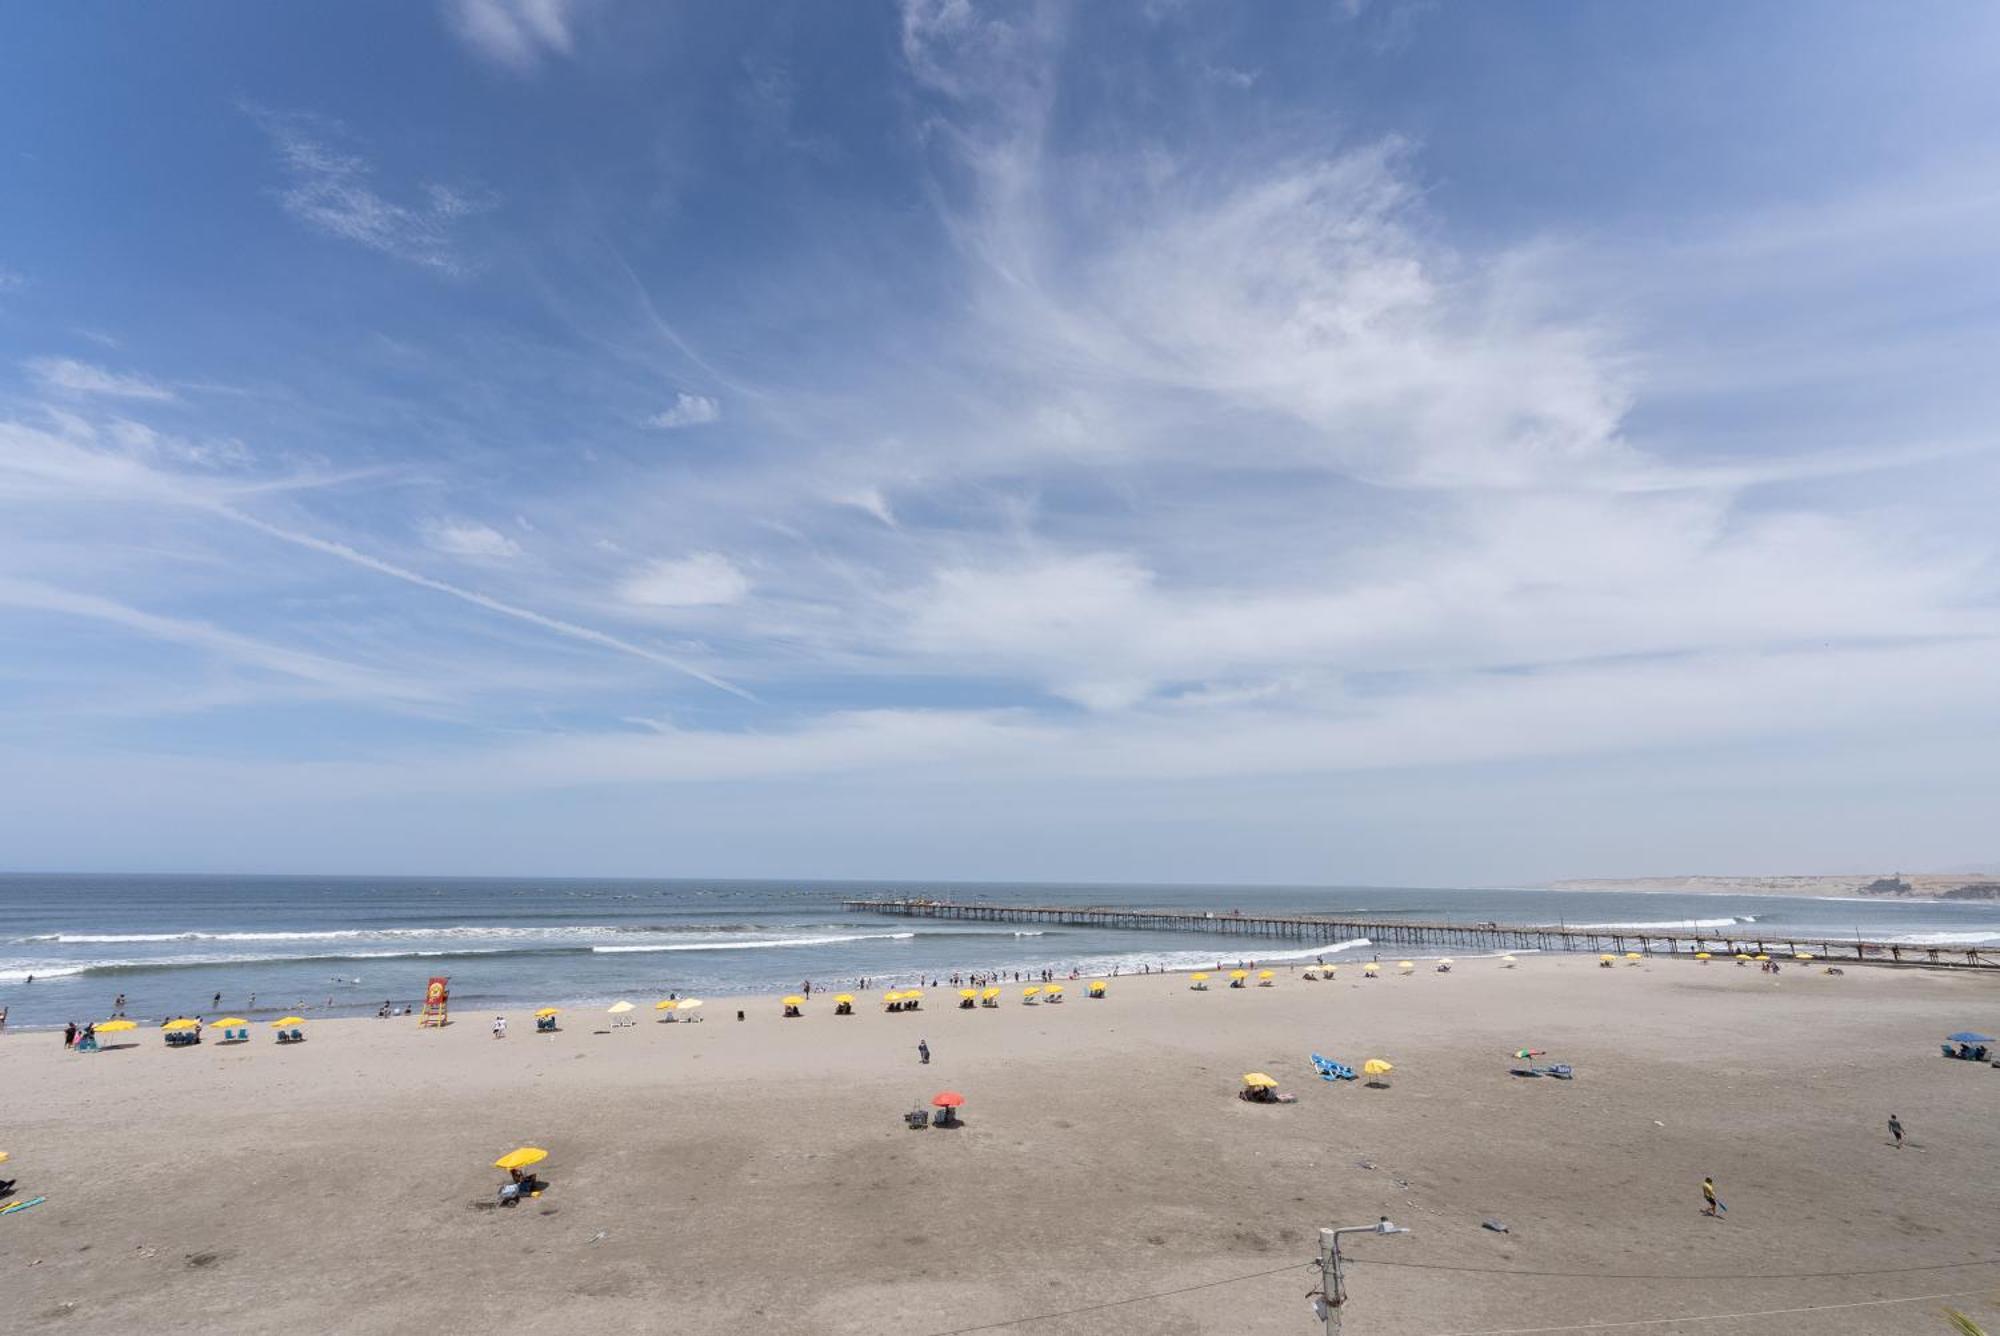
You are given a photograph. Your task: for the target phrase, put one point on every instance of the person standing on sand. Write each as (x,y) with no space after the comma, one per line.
(118,1007)
(924,1051)
(1712,1204)
(1896,1130)
(499,1027)
(69,1035)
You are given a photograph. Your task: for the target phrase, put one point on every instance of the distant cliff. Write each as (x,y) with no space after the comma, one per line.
(1913,885)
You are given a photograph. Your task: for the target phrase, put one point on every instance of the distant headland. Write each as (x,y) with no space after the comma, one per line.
(1898,885)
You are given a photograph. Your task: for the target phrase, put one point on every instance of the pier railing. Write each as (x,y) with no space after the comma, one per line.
(1458,936)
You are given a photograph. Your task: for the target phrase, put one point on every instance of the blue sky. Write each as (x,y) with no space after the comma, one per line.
(1356,442)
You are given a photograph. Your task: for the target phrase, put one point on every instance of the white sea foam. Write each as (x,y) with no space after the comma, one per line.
(1945,938)
(1666,924)
(1174,961)
(754,946)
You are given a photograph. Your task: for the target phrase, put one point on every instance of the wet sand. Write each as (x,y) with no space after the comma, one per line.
(754,1177)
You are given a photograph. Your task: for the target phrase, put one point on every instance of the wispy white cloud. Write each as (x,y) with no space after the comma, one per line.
(689,410)
(469,538)
(514,33)
(11,279)
(85,378)
(331,191)
(334,676)
(699,580)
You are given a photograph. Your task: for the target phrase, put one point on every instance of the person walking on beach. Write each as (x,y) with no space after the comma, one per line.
(69,1035)
(1712,1204)
(1896,1130)
(924,1051)
(499,1027)
(118,1007)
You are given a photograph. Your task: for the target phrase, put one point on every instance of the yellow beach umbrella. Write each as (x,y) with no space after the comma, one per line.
(1377,1067)
(1371,968)
(1267,974)
(1703,955)
(1199,976)
(794,1001)
(1742,955)
(618,1008)
(1097,985)
(286,1021)
(1607,958)
(1803,955)
(522,1158)
(184,1023)
(116,1024)
(547,1012)
(886,997)
(989,992)
(230,1021)
(1260,1080)
(1509,960)
(4,1157)
(1759,956)
(968,992)
(844,997)
(1032,990)
(690,1004)
(1633,955)
(664,1004)
(1053,988)
(909,993)
(1405,965)
(1446,961)
(1239,974)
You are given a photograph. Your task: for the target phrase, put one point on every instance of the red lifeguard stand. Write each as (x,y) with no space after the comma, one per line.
(437,998)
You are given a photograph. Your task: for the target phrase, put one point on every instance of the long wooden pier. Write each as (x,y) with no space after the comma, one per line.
(1459,936)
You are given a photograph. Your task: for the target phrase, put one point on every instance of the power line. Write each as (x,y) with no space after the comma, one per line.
(1711,1317)
(1675,1275)
(1120,1303)
(1558,1275)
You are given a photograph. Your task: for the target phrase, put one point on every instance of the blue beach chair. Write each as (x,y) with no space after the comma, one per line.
(1329,1070)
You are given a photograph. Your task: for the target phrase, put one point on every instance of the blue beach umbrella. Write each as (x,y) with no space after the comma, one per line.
(1968,1037)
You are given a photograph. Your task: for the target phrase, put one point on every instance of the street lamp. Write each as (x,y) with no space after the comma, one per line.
(1331,1295)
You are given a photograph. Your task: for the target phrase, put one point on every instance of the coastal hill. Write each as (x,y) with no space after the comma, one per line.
(1898,885)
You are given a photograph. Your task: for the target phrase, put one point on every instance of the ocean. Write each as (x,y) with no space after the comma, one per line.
(345,945)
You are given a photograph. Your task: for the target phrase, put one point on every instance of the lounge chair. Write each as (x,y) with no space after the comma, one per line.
(1561,1071)
(1329,1070)
(545,1024)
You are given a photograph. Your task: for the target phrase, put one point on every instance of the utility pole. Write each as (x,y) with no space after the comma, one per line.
(1330,1295)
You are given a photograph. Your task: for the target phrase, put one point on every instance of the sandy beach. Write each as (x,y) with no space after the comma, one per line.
(758,1176)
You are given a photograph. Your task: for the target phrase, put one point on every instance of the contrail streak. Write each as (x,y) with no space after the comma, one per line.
(588,635)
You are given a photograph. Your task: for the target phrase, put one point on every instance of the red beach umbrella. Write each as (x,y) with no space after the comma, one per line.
(947,1099)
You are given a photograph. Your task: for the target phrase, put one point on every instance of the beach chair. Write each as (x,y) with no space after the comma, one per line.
(1561,1071)
(1329,1070)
